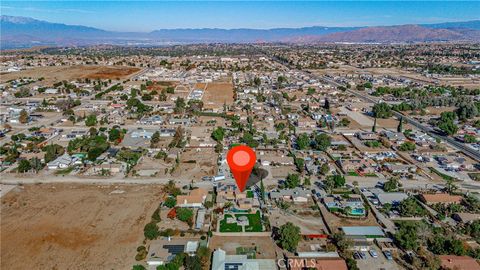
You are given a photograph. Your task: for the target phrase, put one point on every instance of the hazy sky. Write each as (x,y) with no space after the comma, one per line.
(150,15)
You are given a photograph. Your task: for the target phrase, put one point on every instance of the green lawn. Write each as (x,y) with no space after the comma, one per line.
(229,227)
(352,173)
(254,221)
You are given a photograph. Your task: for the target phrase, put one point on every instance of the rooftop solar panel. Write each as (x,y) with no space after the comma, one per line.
(174,249)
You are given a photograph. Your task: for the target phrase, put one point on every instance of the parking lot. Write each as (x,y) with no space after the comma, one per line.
(370,263)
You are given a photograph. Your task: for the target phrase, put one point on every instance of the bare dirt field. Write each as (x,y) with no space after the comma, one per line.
(71,226)
(196,163)
(217,94)
(265,245)
(55,74)
(309,224)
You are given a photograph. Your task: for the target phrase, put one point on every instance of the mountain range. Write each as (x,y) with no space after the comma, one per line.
(23,32)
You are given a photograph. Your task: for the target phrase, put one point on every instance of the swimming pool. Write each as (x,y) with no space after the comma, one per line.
(357,212)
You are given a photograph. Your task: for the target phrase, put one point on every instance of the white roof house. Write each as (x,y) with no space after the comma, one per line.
(222,261)
(391,197)
(62,162)
(369,231)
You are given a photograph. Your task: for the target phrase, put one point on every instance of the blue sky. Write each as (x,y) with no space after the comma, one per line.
(150,15)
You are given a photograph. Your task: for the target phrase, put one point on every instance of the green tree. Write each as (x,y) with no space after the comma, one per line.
(91,120)
(218,134)
(24,166)
(36,164)
(322,142)
(469,138)
(406,236)
(292,181)
(170,202)
(262,190)
(400,125)
(150,231)
(324,169)
(257,82)
(382,110)
(329,184)
(338,180)
(179,105)
(391,185)
(289,236)
(52,151)
(23,118)
(300,164)
(410,208)
(303,141)
(114,134)
(448,127)
(185,214)
(407,146)
(307,182)
(155,139)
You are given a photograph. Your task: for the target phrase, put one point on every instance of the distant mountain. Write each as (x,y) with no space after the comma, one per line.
(27,26)
(18,32)
(399,34)
(243,35)
(475,25)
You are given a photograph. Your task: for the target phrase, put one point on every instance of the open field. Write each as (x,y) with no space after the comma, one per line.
(60,73)
(196,163)
(309,224)
(217,94)
(72,226)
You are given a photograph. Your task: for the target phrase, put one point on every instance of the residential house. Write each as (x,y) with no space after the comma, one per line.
(367,136)
(295,195)
(222,261)
(441,198)
(195,199)
(62,162)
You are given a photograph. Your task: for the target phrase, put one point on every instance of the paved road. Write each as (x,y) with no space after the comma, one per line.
(452,142)
(46,179)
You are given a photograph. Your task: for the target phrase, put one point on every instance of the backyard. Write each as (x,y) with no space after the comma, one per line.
(254,223)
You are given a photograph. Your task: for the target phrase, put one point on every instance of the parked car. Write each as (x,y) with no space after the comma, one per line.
(362,255)
(356,256)
(388,255)
(373,253)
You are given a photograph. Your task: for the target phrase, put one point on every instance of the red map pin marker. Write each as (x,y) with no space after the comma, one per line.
(241,160)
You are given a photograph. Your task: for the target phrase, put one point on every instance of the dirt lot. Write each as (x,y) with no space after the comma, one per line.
(265,245)
(335,222)
(66,226)
(309,224)
(196,163)
(217,94)
(55,74)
